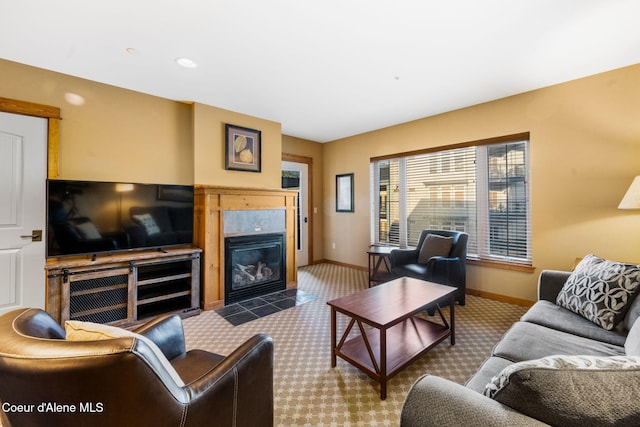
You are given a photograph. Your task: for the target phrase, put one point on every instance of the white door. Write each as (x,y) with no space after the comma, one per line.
(300,170)
(23,165)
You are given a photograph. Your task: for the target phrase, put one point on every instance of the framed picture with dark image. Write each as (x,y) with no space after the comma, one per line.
(243,151)
(344,192)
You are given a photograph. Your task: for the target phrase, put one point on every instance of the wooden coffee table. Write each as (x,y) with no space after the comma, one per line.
(396,336)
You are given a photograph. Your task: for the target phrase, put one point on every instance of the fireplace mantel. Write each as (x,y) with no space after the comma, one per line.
(210,204)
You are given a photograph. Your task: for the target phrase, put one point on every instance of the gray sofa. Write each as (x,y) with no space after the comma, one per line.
(571,372)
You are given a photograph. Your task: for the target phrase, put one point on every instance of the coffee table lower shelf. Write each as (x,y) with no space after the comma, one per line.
(405,342)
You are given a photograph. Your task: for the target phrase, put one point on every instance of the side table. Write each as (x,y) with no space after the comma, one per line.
(379,256)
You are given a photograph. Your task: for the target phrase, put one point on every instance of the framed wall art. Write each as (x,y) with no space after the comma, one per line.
(243,151)
(344,192)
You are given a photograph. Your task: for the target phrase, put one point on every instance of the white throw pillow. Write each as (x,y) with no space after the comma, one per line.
(89,331)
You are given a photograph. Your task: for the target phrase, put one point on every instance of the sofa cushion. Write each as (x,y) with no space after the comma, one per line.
(553,316)
(411,270)
(572,390)
(526,341)
(600,290)
(87,331)
(489,369)
(434,245)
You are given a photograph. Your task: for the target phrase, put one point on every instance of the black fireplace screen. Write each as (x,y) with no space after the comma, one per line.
(254,265)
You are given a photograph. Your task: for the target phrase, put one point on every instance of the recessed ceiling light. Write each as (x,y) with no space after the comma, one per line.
(186,62)
(74,98)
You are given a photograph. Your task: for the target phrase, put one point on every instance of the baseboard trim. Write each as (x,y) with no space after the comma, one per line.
(474,292)
(501,298)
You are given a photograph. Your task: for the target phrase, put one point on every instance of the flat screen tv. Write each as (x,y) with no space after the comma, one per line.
(91,218)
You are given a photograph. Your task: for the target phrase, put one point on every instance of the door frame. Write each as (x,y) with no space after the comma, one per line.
(52,114)
(309,162)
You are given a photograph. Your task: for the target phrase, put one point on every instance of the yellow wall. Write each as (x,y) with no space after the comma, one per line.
(209,149)
(314,150)
(122,135)
(585,151)
(117,134)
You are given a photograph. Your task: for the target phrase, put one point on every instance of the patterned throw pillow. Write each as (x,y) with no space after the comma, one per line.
(572,390)
(500,382)
(149,224)
(600,290)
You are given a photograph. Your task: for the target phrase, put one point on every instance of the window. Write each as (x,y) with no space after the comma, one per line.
(480,188)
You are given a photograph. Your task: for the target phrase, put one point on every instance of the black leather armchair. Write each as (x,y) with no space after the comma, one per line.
(448,270)
(123,382)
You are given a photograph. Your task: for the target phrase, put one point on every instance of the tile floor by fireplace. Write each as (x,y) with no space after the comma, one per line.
(255,308)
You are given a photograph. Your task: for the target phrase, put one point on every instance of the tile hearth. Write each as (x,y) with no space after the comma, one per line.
(255,308)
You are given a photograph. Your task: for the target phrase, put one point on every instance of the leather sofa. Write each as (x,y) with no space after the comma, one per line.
(555,367)
(146,377)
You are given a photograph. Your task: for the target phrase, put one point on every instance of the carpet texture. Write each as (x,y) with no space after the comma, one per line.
(308,392)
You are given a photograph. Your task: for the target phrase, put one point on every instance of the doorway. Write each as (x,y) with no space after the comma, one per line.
(23,169)
(295,176)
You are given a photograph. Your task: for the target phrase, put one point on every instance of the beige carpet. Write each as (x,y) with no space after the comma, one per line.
(308,392)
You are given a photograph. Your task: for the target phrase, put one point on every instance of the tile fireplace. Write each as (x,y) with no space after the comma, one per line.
(228,212)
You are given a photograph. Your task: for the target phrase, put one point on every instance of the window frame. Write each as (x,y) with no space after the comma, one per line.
(483,257)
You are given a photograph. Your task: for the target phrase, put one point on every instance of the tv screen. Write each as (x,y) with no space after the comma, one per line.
(90,217)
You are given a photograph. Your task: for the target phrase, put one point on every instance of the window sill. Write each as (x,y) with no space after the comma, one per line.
(502,265)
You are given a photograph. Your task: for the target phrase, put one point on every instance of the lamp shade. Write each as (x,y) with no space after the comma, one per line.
(631,199)
(122,187)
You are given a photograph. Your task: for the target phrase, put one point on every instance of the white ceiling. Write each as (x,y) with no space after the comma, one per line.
(325,69)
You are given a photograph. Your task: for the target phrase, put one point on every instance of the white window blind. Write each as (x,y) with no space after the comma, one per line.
(481,189)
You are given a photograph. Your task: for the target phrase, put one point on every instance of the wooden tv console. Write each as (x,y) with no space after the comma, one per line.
(126,288)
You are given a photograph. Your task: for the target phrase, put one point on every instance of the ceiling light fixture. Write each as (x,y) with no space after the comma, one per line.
(186,62)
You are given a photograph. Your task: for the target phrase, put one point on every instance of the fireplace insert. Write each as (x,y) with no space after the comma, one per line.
(254,265)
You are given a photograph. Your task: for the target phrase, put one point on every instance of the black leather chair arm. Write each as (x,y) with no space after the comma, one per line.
(239,391)
(167,333)
(403,256)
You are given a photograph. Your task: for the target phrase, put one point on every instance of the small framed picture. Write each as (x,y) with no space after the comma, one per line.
(344,192)
(243,151)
